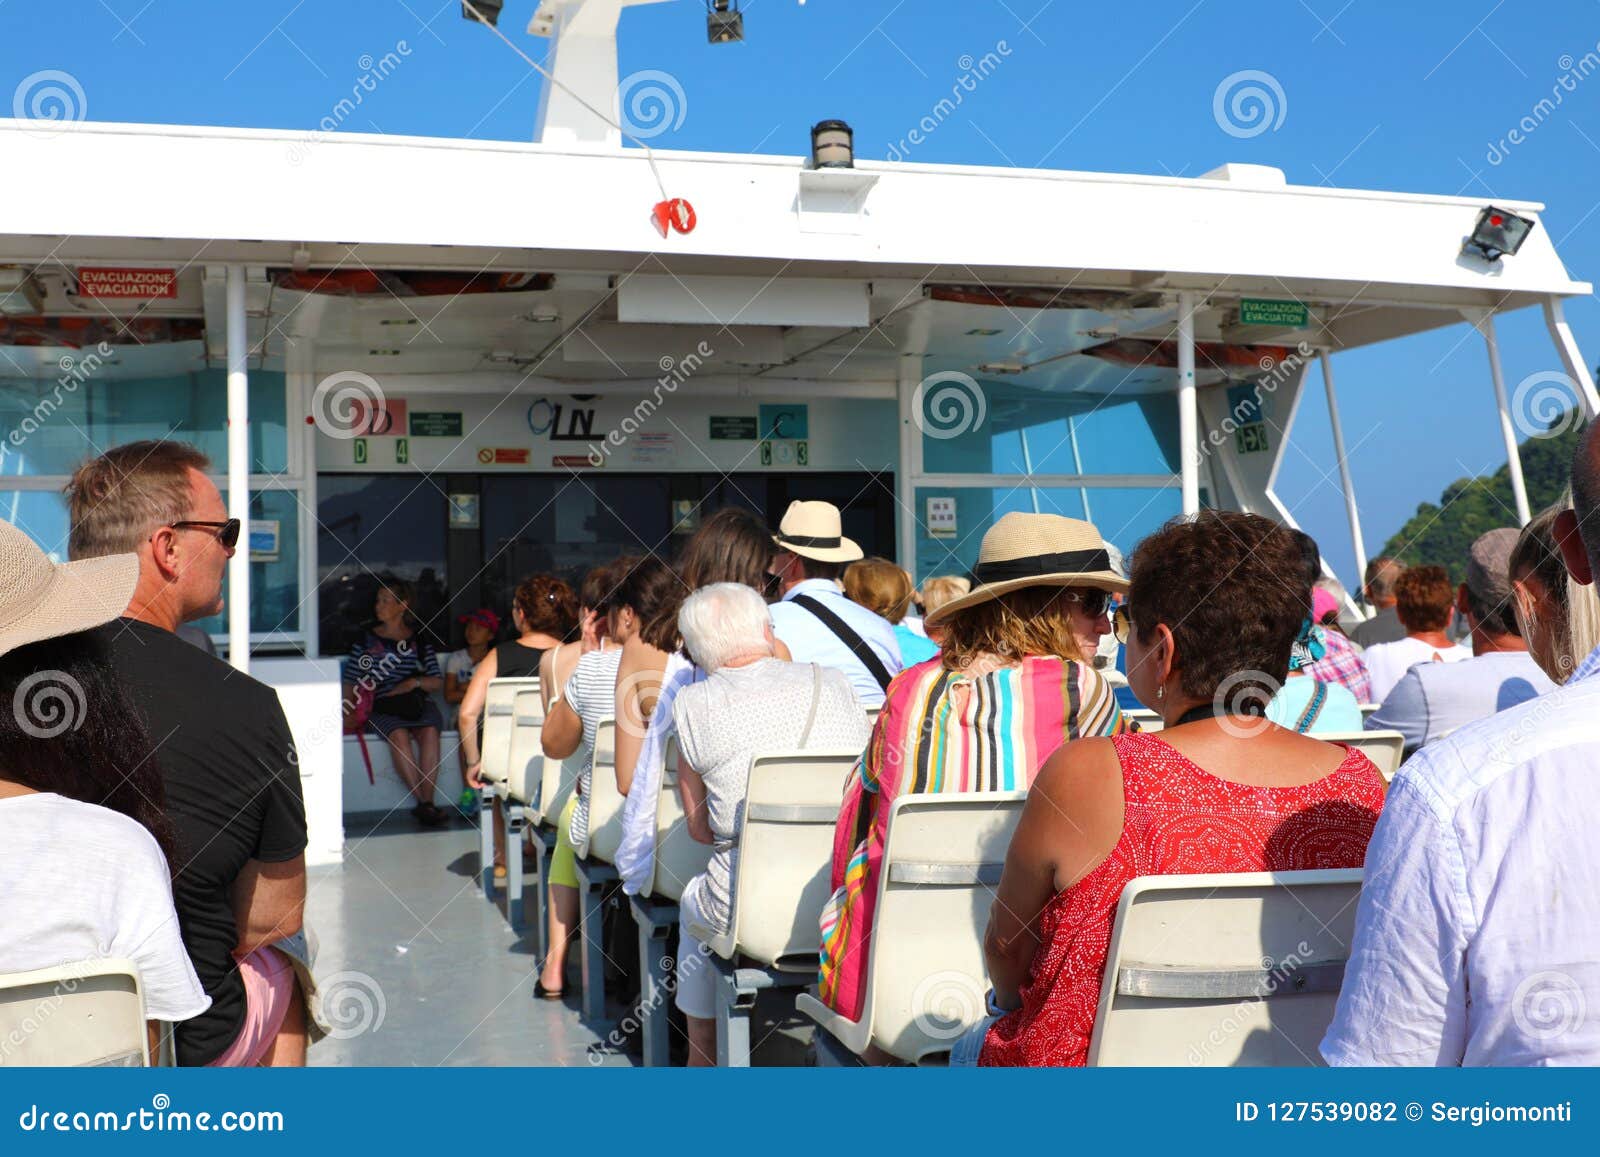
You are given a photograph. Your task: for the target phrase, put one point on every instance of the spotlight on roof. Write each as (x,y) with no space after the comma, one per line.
(489,10)
(832,145)
(1499,232)
(724,22)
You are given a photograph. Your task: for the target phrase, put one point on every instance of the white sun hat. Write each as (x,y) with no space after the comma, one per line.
(40,599)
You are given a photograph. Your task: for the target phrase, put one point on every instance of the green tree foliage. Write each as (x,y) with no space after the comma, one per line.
(1441,532)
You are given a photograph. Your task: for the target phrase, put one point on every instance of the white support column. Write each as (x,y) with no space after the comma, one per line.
(1561,333)
(1508,431)
(910,466)
(1188,406)
(238,471)
(1345,480)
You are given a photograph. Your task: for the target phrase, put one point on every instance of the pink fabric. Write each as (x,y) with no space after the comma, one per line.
(268,987)
(1321,603)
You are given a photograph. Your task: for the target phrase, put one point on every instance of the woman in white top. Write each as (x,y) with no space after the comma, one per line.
(1424,598)
(750,702)
(84,845)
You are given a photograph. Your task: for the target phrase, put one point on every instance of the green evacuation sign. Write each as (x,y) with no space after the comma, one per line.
(1260,311)
(734,427)
(436,423)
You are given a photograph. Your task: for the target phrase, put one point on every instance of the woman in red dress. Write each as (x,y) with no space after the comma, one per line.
(1214,607)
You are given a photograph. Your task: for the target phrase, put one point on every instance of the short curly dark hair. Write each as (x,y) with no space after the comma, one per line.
(1230,588)
(1423,597)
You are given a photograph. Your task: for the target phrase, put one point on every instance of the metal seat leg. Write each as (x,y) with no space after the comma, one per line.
(655,922)
(516,822)
(486,840)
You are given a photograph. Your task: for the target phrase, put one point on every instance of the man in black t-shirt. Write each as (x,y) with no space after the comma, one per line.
(227,758)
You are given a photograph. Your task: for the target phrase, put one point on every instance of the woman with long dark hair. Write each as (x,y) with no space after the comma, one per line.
(86,852)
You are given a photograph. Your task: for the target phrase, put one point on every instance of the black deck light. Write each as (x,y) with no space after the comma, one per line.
(1498,232)
(724,22)
(490,10)
(833,145)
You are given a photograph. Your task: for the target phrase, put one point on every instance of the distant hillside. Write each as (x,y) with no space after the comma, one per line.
(1441,532)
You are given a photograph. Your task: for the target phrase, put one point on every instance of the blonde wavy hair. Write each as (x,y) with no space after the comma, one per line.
(1012,627)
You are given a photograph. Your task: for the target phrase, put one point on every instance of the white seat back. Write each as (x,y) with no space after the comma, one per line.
(926,978)
(559,779)
(525,765)
(1387,749)
(605,801)
(1369,708)
(497,719)
(88,1014)
(678,857)
(1225,970)
(785,853)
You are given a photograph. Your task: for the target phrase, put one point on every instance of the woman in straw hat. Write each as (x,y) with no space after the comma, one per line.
(84,839)
(1014,681)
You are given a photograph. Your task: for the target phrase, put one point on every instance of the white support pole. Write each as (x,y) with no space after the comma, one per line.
(905,478)
(1345,480)
(1508,431)
(1561,333)
(1188,406)
(238,471)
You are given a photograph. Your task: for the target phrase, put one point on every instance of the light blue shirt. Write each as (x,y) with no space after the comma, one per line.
(1340,711)
(811,641)
(1483,880)
(1433,699)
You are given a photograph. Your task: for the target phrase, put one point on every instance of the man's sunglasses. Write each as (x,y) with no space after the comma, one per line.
(227,533)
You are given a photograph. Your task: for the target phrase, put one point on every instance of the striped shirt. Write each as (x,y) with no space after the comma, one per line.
(592,693)
(945,731)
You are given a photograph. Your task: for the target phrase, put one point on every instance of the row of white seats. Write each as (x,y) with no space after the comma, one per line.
(926,977)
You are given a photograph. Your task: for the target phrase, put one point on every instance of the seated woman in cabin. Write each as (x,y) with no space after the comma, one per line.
(402,671)
(1014,681)
(750,702)
(85,845)
(1220,789)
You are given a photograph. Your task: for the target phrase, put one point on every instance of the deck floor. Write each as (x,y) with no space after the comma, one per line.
(417,968)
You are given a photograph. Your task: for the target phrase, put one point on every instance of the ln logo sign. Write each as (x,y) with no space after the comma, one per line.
(546,417)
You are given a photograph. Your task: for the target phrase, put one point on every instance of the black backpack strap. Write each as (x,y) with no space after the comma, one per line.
(858,646)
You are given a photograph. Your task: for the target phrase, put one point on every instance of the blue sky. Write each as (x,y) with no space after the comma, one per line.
(1377,95)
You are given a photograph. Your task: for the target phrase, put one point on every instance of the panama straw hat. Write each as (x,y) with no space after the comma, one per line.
(1036,550)
(812,529)
(40,599)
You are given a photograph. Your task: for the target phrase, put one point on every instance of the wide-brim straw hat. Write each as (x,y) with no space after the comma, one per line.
(40,599)
(1036,550)
(813,530)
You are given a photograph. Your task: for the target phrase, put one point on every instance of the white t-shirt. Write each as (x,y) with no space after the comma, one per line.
(1388,662)
(82,882)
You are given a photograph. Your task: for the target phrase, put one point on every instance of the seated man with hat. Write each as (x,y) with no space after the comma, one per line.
(813,618)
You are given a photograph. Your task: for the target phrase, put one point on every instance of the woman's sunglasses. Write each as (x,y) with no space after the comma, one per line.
(227,533)
(1121,624)
(1093,602)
